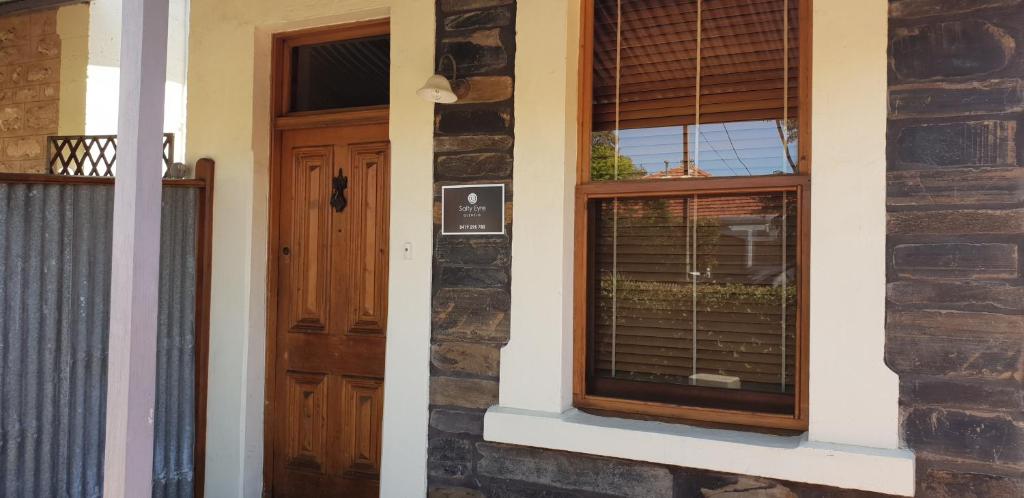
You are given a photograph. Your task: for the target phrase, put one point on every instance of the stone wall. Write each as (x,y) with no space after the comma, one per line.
(472,144)
(29,89)
(956,296)
(956,225)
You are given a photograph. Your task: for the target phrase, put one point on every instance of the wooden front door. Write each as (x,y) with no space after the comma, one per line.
(328,368)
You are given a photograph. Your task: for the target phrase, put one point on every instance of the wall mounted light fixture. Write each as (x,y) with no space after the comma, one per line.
(438,88)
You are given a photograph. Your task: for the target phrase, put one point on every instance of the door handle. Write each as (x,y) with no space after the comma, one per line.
(340,183)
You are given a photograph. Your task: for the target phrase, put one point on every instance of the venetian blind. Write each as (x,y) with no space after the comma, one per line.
(695,290)
(701,284)
(653,58)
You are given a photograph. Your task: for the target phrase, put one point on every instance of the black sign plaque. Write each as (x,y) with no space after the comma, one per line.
(473,210)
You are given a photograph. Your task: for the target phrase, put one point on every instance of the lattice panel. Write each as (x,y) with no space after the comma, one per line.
(93,155)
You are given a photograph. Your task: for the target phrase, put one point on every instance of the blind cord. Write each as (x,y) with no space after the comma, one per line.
(785,82)
(694,272)
(693,275)
(785,208)
(785,243)
(615,176)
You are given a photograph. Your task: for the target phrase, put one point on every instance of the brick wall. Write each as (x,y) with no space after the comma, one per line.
(955,294)
(29,89)
(956,225)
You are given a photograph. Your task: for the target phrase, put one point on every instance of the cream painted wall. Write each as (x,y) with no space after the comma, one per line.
(73,30)
(229,120)
(853,395)
(546,103)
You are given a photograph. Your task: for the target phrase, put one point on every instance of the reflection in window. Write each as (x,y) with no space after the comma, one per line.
(693,287)
(695,290)
(695,89)
(342,74)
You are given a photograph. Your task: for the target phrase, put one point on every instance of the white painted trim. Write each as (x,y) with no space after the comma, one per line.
(791,458)
(853,394)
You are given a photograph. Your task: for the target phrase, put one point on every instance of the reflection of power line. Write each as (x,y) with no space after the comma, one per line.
(760,142)
(717,153)
(733,147)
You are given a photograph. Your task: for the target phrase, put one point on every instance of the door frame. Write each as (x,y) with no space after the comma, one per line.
(281,119)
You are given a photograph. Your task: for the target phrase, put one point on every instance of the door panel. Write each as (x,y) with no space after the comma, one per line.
(332,284)
(371,208)
(364,403)
(311,237)
(306,419)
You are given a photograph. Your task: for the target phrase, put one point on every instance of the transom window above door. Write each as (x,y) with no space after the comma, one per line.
(341,74)
(692,219)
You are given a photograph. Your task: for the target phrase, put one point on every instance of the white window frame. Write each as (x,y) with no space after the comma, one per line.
(853,438)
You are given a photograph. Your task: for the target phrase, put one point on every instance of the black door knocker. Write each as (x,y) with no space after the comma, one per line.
(338,200)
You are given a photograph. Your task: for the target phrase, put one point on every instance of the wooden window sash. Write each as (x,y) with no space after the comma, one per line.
(646,115)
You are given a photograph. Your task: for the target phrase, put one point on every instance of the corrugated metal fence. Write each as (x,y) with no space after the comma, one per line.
(55,258)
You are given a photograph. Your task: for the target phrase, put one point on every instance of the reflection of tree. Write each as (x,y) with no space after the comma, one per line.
(602,160)
(789,134)
(709,234)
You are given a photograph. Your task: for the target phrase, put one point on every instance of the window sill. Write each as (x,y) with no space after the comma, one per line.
(791,458)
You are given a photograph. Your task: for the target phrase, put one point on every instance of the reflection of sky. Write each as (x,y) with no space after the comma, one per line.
(725,149)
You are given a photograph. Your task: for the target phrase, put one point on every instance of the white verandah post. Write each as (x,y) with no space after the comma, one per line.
(131,371)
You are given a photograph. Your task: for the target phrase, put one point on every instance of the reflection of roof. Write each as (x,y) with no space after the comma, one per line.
(738,206)
(681,171)
(719,205)
(708,206)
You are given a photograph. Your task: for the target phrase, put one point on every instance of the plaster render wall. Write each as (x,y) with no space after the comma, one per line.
(847,224)
(848,102)
(229,120)
(73,30)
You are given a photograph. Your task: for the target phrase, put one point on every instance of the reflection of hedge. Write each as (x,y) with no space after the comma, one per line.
(708,295)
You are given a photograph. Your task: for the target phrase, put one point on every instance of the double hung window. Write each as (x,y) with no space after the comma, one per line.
(692,211)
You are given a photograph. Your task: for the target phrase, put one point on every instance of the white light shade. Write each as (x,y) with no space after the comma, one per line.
(437,89)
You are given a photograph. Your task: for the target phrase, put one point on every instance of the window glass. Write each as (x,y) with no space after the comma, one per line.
(695,290)
(692,285)
(340,75)
(694,89)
